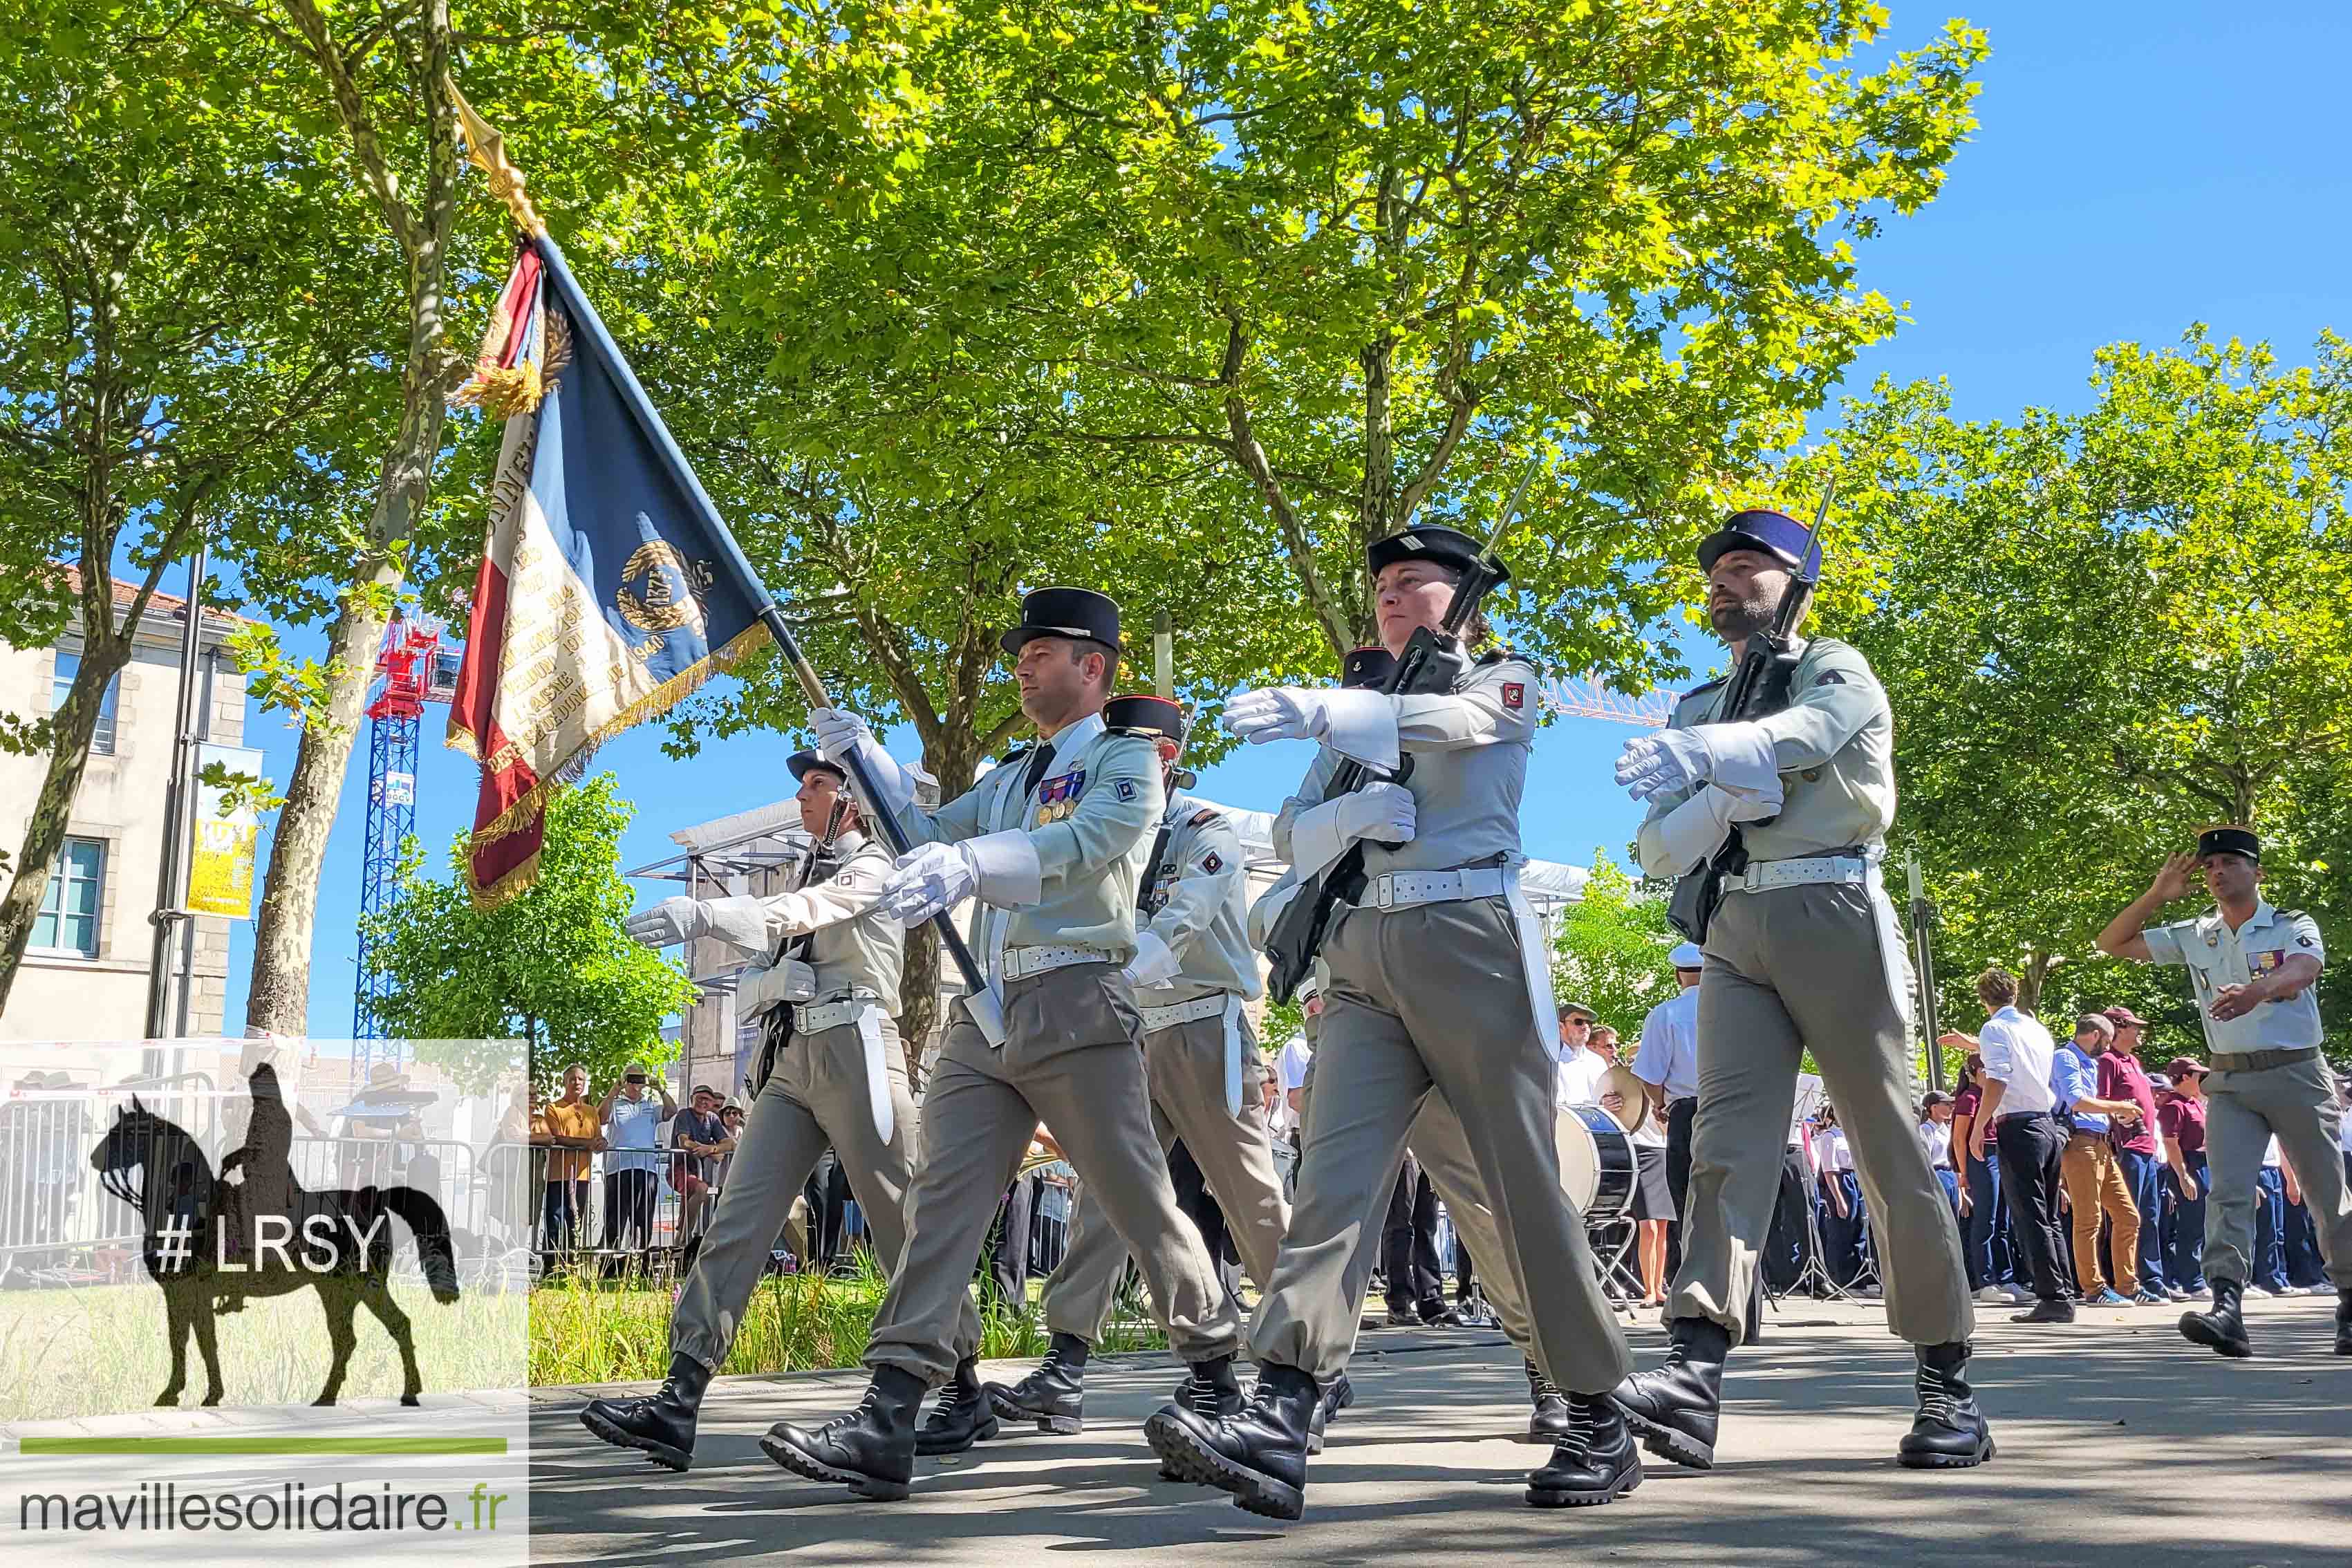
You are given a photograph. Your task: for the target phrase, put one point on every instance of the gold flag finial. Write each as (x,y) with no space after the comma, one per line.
(486,149)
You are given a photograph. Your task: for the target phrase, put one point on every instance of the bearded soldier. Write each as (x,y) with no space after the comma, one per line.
(1191,972)
(1801,955)
(832,1075)
(1438,981)
(1053,845)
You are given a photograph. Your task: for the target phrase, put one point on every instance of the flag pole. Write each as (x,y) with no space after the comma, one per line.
(486,149)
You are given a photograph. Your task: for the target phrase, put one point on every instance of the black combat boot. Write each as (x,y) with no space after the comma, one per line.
(2344,1323)
(1210,1392)
(1259,1455)
(871,1450)
(1949,1432)
(1053,1397)
(1548,1421)
(1674,1408)
(961,1417)
(1338,1394)
(2222,1329)
(1594,1463)
(661,1425)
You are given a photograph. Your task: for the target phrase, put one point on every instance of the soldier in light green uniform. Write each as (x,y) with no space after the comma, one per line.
(1803,955)
(822,991)
(1438,983)
(1192,972)
(1053,845)
(2254,969)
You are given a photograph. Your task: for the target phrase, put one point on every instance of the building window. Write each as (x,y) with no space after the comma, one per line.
(101,740)
(69,919)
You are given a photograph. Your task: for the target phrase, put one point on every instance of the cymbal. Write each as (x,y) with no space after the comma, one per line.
(1618,1079)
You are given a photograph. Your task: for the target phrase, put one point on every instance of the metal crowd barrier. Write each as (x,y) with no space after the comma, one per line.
(59,1226)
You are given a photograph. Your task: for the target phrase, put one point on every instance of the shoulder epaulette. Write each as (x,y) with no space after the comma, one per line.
(1202,818)
(1708,685)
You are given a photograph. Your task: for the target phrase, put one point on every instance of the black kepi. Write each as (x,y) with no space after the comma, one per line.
(1157,717)
(1446,546)
(2228,840)
(1080,614)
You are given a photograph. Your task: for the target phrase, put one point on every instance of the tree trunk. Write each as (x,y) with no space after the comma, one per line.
(2028,985)
(44,834)
(953,762)
(279,998)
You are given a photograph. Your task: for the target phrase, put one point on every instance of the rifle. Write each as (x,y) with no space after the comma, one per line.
(1430,662)
(1759,686)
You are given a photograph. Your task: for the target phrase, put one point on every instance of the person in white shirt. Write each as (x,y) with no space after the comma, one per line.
(2016,1117)
(1667,1065)
(1936,1132)
(1580,1065)
(1654,1204)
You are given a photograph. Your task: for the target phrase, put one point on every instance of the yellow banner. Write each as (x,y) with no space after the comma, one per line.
(220,874)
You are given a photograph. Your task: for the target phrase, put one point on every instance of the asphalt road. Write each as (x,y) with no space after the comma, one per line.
(2121,1445)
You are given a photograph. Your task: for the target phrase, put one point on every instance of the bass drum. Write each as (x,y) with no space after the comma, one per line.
(1597,1166)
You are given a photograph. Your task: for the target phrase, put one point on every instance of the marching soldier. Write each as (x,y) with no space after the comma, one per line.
(832,1076)
(1438,981)
(1437,1140)
(1802,954)
(1191,972)
(2254,969)
(1053,845)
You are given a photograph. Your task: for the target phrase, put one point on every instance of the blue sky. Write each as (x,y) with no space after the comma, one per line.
(2138,167)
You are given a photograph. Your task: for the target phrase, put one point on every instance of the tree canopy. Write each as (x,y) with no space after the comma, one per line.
(551,966)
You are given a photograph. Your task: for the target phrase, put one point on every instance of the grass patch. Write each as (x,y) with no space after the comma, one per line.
(586,1329)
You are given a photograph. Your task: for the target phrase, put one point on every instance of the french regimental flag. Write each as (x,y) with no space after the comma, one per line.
(609,587)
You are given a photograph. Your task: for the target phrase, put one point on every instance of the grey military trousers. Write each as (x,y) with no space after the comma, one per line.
(1791,970)
(1185,1066)
(1438,1142)
(2242,1111)
(814,1098)
(1433,997)
(1073,1058)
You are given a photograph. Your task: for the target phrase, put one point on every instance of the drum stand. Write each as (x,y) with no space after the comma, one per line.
(1816,1270)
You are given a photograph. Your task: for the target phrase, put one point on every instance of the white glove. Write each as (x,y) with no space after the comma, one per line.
(1277,713)
(1669,760)
(1153,964)
(930,879)
(670,921)
(840,734)
(1383,812)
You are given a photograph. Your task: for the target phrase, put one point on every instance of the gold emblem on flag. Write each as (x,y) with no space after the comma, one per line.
(660,590)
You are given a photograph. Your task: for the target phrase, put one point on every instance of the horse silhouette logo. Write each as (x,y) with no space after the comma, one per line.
(210,1243)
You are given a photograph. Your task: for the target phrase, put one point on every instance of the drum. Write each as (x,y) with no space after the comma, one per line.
(1597,1167)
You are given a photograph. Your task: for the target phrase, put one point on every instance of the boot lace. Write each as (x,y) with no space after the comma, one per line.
(1544,1387)
(943,1409)
(1937,1401)
(1577,1441)
(1201,1397)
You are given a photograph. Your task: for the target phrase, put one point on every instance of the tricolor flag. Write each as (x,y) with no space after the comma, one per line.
(609,588)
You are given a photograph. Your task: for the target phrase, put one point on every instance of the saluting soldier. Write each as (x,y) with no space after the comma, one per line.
(1192,972)
(1438,981)
(1053,845)
(832,1076)
(1437,1140)
(2254,969)
(1802,954)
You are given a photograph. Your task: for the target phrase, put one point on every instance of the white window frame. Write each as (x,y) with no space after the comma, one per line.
(101,737)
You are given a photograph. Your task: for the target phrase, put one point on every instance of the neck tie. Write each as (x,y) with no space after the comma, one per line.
(1040,760)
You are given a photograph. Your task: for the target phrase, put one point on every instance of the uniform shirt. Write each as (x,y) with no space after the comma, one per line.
(2183,1121)
(1088,824)
(1669,1053)
(2122,1078)
(2218,956)
(1199,904)
(2017,1052)
(631,1125)
(1834,748)
(2071,1077)
(1291,1068)
(858,948)
(1469,748)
